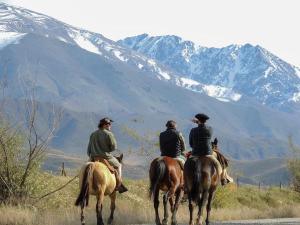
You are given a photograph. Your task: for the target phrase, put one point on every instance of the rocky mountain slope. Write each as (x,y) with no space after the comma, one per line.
(244,69)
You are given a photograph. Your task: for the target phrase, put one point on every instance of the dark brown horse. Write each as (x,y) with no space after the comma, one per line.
(201,180)
(166,175)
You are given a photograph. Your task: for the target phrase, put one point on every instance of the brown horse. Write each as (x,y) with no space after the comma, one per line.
(201,180)
(96,179)
(166,175)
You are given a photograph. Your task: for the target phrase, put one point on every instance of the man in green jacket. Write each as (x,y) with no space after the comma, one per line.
(101,145)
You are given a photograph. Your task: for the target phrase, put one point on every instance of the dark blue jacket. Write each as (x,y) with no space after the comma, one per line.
(200,140)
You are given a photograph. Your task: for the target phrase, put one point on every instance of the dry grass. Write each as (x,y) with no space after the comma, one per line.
(245,213)
(134,207)
(16,215)
(125,214)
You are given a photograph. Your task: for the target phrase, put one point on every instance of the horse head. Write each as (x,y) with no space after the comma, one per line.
(214,144)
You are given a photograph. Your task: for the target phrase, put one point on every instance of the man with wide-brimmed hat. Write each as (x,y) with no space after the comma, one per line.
(171,143)
(200,142)
(101,145)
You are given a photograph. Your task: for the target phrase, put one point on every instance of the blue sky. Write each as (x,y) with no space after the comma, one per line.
(273,24)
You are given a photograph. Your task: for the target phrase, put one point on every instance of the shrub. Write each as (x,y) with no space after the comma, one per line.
(294,166)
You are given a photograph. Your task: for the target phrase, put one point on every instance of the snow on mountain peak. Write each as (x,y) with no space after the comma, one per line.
(7,38)
(246,69)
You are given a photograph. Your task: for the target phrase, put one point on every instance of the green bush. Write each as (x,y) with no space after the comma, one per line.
(13,160)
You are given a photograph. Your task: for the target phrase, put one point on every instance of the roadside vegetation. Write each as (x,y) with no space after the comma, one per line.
(231,202)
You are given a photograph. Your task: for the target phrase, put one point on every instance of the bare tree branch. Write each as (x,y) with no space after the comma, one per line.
(56,190)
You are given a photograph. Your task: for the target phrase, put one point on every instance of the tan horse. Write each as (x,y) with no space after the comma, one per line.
(166,175)
(96,179)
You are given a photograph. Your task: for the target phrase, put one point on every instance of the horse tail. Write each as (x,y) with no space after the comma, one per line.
(157,174)
(83,197)
(196,189)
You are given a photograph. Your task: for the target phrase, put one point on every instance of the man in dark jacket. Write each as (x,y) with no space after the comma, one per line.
(101,145)
(172,143)
(200,142)
(200,136)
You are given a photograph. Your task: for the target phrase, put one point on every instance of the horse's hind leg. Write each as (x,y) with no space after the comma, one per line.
(166,211)
(191,208)
(112,207)
(156,205)
(201,204)
(172,204)
(208,207)
(82,214)
(99,207)
(175,207)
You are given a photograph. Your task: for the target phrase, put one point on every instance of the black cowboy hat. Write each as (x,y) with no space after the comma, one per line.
(201,117)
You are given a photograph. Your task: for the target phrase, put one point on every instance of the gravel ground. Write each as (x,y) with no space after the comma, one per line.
(285,221)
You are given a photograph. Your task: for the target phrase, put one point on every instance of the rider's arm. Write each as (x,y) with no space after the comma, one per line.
(160,143)
(112,143)
(182,143)
(191,139)
(89,148)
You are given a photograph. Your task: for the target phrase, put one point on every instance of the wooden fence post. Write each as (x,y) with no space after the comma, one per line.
(280,185)
(63,172)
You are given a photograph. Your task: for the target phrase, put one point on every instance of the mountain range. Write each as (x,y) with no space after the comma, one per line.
(141,82)
(246,70)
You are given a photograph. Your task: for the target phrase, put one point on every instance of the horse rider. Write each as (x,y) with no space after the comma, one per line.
(102,142)
(200,142)
(171,143)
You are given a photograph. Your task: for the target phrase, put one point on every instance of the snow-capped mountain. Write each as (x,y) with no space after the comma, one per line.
(244,69)
(17,21)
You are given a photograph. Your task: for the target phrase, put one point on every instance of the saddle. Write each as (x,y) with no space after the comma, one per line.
(177,160)
(105,162)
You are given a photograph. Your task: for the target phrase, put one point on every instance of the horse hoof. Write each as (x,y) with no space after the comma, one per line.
(174,223)
(164,222)
(109,221)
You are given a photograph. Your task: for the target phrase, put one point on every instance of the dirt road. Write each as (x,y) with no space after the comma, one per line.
(285,221)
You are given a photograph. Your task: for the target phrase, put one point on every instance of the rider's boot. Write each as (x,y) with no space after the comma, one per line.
(120,187)
(225,177)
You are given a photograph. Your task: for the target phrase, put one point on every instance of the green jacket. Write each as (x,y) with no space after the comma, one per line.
(102,143)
